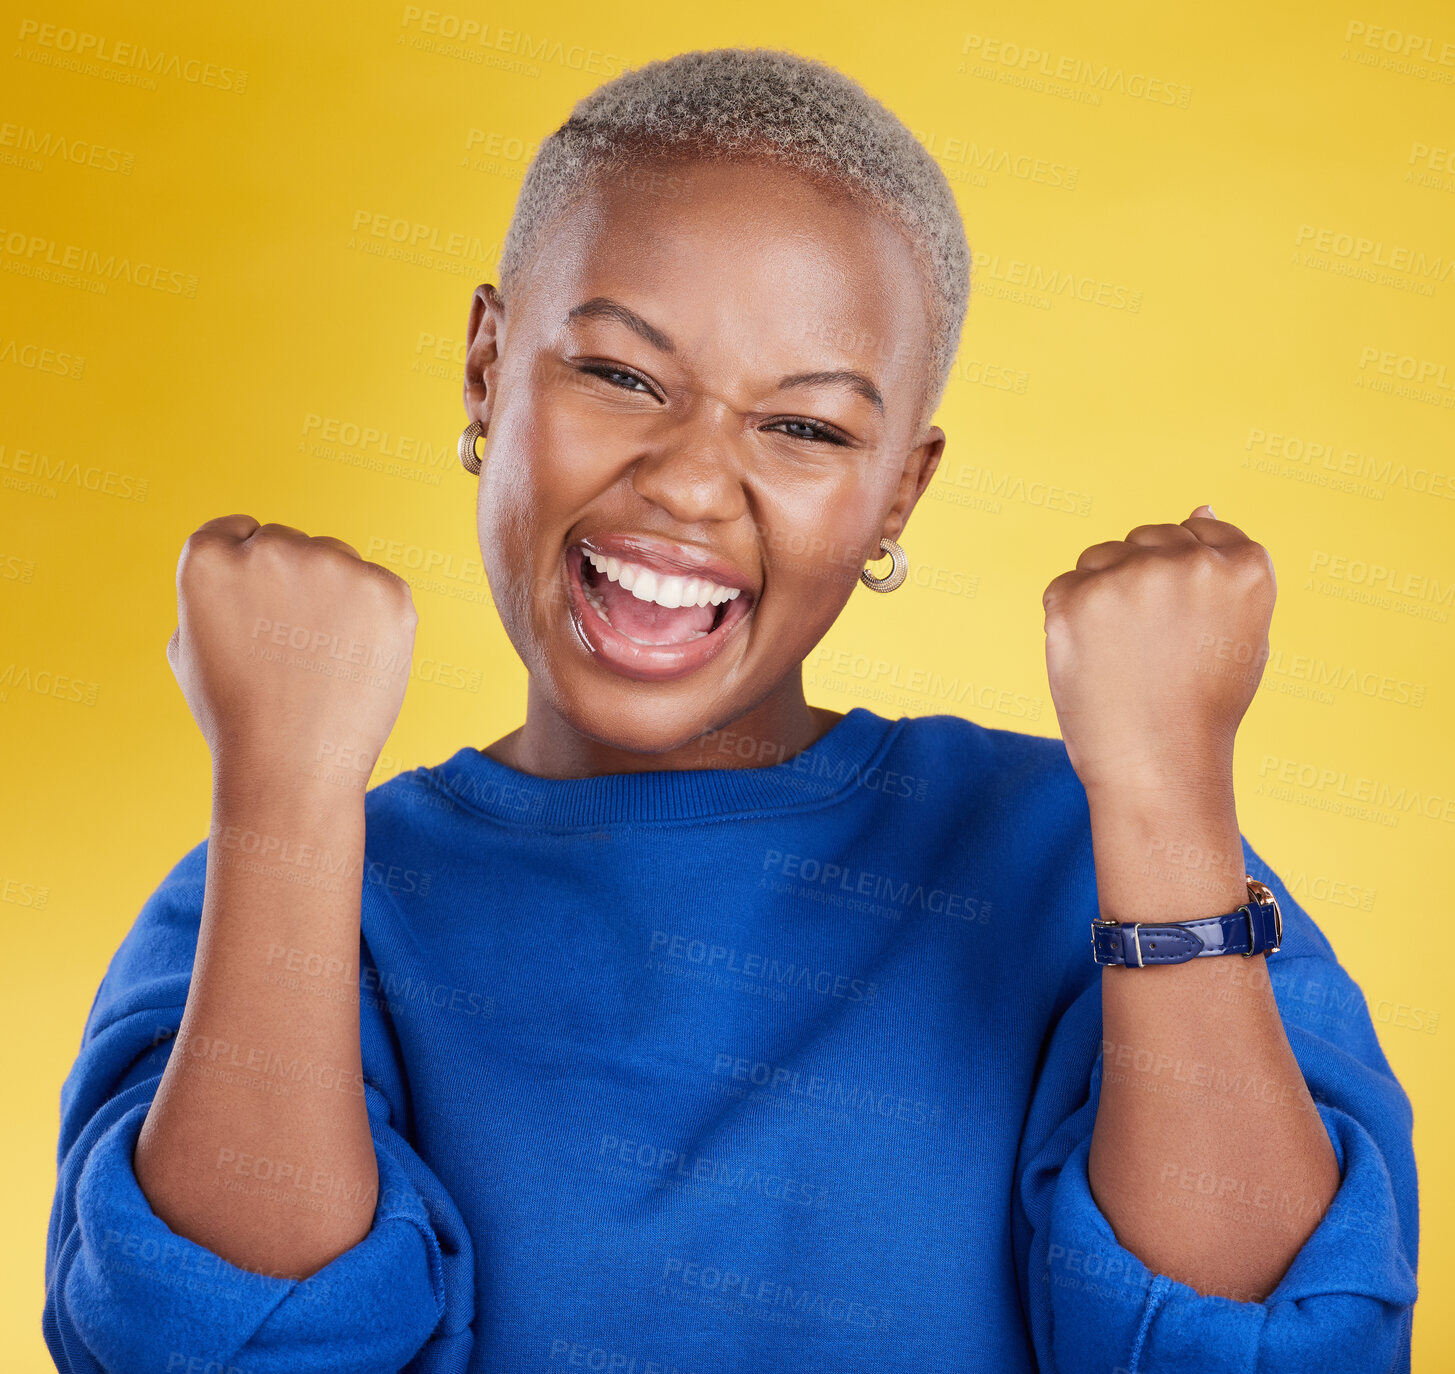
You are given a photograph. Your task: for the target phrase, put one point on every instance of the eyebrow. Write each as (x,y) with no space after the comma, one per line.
(603,307)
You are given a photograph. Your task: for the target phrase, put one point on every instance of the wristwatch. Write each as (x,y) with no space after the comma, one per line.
(1256,927)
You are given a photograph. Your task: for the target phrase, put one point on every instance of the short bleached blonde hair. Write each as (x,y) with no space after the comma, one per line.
(758,103)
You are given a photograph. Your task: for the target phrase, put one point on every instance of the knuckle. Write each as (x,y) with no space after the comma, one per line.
(330,544)
(318,554)
(1097,593)
(384,578)
(271,553)
(1206,560)
(1064,594)
(1091,553)
(201,552)
(1256,556)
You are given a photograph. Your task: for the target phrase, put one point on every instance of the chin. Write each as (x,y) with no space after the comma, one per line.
(633,718)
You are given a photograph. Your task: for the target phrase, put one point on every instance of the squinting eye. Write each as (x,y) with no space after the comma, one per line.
(815,431)
(611,373)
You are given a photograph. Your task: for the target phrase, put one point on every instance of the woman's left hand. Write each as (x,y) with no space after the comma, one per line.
(1155,645)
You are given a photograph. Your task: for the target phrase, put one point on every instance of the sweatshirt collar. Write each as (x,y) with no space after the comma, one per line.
(834,766)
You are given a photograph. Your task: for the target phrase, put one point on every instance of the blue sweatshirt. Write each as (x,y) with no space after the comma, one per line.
(790,1067)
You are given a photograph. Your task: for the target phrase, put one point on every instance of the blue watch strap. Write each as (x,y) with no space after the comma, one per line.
(1256,927)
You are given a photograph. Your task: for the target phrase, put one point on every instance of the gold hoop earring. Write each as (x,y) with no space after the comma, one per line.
(470,454)
(897,572)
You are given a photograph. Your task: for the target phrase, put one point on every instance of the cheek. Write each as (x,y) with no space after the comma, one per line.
(817,539)
(526,474)
(544,465)
(558,455)
(508,517)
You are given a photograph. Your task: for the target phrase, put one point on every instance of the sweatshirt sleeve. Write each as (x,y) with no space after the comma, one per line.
(1345,1303)
(126,1293)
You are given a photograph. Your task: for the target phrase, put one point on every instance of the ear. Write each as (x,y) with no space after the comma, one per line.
(919,467)
(484,335)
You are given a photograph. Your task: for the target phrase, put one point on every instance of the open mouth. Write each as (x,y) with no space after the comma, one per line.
(647,623)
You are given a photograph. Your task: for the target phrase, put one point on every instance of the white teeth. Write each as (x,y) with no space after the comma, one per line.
(670,591)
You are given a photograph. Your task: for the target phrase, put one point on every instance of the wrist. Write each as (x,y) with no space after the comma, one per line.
(253,788)
(1169,854)
(1187,768)
(281,773)
(1191,795)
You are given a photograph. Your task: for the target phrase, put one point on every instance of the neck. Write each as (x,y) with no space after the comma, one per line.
(548,745)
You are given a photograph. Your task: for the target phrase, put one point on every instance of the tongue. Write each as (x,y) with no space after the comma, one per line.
(648,621)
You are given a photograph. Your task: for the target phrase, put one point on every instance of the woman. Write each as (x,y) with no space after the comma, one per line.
(692,1027)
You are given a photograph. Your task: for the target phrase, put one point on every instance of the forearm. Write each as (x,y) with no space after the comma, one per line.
(257,1144)
(1208,1157)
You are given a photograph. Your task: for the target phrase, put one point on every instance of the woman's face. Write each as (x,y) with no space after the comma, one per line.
(713,371)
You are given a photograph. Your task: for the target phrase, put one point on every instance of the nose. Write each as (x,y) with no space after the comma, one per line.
(695,472)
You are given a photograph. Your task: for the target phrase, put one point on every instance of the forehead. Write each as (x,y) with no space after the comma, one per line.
(747,260)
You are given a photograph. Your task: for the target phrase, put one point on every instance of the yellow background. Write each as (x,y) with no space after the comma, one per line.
(283,311)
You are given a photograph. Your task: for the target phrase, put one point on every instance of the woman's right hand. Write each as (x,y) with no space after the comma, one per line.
(291,650)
